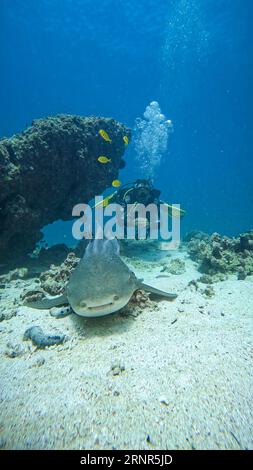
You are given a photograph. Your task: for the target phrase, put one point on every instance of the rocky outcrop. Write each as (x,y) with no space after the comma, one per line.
(218,255)
(47,169)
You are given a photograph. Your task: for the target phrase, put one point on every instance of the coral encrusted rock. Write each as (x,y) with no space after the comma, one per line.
(220,255)
(50,167)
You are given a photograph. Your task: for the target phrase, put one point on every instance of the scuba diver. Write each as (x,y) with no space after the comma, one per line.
(143,192)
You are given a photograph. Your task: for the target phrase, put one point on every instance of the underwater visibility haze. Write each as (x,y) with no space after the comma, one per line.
(113,57)
(126,344)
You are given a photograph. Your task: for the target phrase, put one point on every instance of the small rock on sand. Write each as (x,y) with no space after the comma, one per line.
(14,349)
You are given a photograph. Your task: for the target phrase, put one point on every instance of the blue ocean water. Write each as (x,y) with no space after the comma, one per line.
(113,57)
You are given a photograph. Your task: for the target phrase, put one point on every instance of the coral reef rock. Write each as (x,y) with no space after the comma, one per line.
(53,281)
(176,266)
(56,278)
(218,255)
(47,169)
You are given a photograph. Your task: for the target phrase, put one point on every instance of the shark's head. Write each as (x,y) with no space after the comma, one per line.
(101,283)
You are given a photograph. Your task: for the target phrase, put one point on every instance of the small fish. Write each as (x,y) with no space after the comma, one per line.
(105,201)
(104,135)
(116,183)
(126,140)
(103,159)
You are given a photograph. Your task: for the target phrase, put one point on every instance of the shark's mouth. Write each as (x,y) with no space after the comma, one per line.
(98,307)
(102,309)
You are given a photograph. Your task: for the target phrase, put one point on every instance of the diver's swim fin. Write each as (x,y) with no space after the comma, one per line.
(174,211)
(47,302)
(156,291)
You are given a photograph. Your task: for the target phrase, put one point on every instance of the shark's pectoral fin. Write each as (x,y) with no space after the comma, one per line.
(48,303)
(156,291)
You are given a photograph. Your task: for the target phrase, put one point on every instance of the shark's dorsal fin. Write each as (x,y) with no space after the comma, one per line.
(102,246)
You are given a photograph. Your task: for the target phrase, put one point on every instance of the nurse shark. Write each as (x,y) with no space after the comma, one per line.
(100,284)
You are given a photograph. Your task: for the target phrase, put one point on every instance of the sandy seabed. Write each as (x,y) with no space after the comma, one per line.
(177,375)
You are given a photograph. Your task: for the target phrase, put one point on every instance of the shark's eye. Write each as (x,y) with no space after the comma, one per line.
(116,297)
(83,304)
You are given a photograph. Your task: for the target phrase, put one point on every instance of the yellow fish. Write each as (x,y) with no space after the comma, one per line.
(105,201)
(116,183)
(104,135)
(103,159)
(126,140)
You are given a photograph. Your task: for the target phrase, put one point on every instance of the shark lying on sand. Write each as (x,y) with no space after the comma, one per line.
(101,283)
